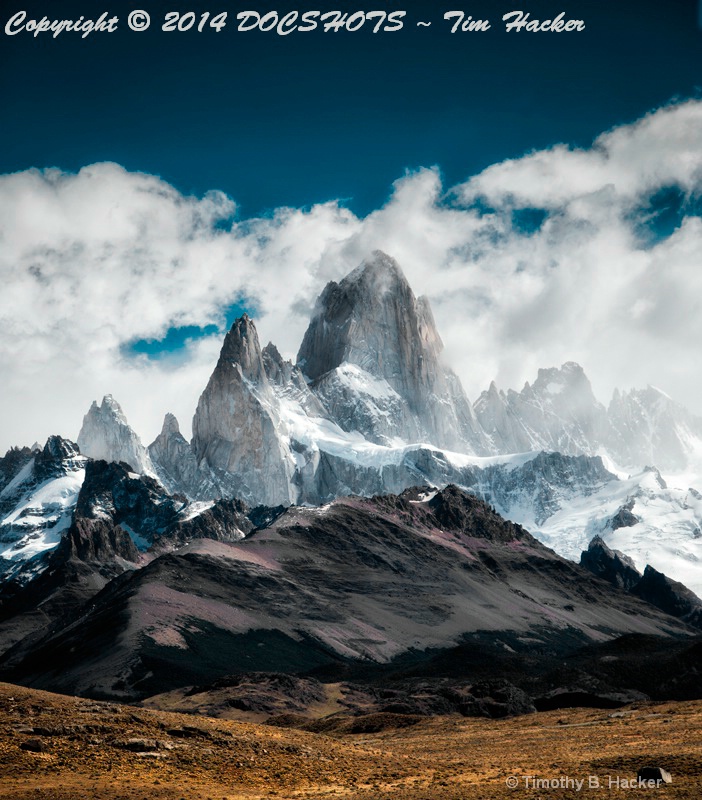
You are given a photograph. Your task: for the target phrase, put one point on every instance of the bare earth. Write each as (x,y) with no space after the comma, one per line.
(85,749)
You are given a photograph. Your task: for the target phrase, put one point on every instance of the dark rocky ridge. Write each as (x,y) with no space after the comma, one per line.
(611,565)
(12,462)
(671,597)
(358,582)
(115,510)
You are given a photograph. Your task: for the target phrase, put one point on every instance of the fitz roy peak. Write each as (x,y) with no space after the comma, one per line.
(372,352)
(368,398)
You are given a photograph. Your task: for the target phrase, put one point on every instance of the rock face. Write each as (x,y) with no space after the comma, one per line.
(177,467)
(138,504)
(372,352)
(539,488)
(670,596)
(12,462)
(235,428)
(653,586)
(611,565)
(36,507)
(106,436)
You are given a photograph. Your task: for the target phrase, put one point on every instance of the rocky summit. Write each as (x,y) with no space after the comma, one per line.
(106,435)
(373,354)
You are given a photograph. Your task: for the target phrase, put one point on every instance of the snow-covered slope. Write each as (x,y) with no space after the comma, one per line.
(641,516)
(37,506)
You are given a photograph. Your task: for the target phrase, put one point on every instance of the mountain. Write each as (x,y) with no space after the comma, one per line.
(670,596)
(177,467)
(107,436)
(558,412)
(648,427)
(611,565)
(46,544)
(268,433)
(373,355)
(370,408)
(653,586)
(83,523)
(359,581)
(639,515)
(13,461)
(368,399)
(642,427)
(237,424)
(36,504)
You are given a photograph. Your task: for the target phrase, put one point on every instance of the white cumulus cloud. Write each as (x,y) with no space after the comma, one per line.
(91,262)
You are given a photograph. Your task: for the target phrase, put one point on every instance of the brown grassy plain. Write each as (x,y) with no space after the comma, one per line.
(81,750)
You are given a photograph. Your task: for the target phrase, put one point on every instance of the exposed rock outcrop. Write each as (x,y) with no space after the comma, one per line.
(177,467)
(235,428)
(611,565)
(670,596)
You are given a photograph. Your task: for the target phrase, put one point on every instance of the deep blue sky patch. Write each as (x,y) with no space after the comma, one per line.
(310,117)
(177,338)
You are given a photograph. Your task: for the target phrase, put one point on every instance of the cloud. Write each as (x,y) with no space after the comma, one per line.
(90,262)
(662,149)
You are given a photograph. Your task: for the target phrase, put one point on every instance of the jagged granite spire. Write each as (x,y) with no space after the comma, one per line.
(235,427)
(241,347)
(372,351)
(106,435)
(175,463)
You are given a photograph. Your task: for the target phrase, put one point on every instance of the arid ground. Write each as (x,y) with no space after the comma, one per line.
(63,748)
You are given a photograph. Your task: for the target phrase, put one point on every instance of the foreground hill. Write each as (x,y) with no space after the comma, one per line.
(376,581)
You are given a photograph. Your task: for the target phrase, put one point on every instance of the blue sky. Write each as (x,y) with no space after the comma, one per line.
(310,117)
